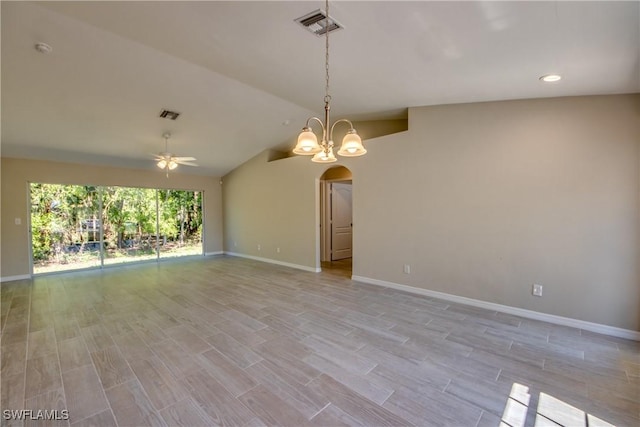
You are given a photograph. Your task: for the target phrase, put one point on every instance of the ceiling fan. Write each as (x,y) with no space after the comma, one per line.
(168,161)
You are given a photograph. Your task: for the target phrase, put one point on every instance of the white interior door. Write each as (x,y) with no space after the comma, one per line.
(341,221)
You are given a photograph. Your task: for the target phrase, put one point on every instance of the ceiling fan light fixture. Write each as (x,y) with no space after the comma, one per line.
(167,161)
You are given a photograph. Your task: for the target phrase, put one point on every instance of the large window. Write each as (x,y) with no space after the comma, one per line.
(180,214)
(129,224)
(65,230)
(75,227)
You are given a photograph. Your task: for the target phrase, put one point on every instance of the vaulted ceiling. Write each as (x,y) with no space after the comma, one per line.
(245,76)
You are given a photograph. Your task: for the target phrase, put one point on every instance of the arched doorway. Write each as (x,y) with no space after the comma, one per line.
(336,221)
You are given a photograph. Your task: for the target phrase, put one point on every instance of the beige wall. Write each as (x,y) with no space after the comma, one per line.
(272,204)
(17,173)
(482,200)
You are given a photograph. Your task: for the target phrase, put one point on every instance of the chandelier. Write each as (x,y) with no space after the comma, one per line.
(308,141)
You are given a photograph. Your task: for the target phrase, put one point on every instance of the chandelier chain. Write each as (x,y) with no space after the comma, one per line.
(327,97)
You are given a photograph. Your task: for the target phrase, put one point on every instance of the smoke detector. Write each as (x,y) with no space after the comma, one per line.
(43,48)
(316,23)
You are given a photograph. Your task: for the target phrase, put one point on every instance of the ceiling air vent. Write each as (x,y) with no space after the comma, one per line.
(171,115)
(316,23)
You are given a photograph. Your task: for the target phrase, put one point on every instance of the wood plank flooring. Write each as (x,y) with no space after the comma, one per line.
(230,341)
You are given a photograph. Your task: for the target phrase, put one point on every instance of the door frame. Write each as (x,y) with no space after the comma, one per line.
(325,216)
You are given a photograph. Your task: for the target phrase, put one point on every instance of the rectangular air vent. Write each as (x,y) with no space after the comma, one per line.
(316,23)
(171,115)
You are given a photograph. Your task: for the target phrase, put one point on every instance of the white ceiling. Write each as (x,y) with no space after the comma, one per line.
(238,71)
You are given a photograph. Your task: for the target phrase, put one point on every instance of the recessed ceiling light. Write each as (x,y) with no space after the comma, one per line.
(43,48)
(550,78)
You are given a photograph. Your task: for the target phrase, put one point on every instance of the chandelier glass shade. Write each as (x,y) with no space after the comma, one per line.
(352,145)
(322,152)
(324,156)
(307,143)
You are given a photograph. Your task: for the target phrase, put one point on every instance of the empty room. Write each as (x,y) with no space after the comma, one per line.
(289,213)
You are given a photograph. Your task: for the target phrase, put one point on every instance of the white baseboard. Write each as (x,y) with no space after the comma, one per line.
(275,261)
(213,253)
(12,278)
(529,314)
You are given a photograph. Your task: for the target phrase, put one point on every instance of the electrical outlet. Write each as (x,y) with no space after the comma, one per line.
(537,290)
(235,244)
(18,221)
(407,269)
(278,250)
(258,247)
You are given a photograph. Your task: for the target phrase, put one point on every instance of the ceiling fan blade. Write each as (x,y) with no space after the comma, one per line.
(182,162)
(184,159)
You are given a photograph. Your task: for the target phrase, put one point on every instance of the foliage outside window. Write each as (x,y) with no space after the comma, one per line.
(77,226)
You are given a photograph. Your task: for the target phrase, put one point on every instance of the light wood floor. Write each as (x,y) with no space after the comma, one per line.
(241,343)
